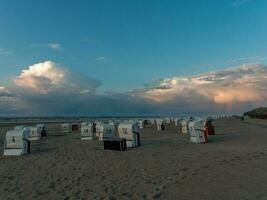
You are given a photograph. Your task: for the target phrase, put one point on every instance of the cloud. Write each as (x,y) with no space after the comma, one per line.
(244,59)
(10,102)
(54,46)
(102,59)
(48,76)
(4,91)
(244,84)
(4,52)
(251,59)
(239,2)
(49,88)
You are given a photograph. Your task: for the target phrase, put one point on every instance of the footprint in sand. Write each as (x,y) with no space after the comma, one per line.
(171,179)
(10,177)
(159,189)
(237,158)
(144,176)
(52,185)
(144,196)
(78,194)
(185,169)
(158,195)
(112,198)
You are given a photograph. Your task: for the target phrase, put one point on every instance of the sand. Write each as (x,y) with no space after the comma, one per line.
(233,165)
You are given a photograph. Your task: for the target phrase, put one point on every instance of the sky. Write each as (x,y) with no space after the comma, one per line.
(132,57)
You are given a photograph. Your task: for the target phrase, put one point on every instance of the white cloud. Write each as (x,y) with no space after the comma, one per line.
(251,59)
(102,59)
(247,83)
(55,46)
(48,88)
(245,59)
(85,92)
(4,52)
(4,91)
(48,76)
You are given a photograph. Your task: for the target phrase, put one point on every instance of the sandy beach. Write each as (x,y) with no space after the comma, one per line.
(166,166)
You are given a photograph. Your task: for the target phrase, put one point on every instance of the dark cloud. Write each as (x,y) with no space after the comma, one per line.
(50,89)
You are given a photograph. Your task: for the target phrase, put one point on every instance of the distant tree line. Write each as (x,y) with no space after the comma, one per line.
(260,113)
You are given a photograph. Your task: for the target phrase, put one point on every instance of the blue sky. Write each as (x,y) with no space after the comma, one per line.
(142,40)
(128,43)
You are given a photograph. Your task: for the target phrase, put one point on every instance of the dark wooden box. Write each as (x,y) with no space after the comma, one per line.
(118,144)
